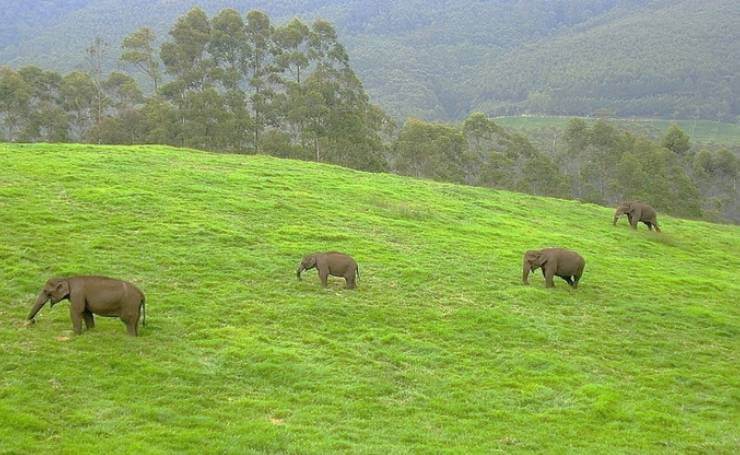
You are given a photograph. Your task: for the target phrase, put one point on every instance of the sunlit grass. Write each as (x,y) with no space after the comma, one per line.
(439,348)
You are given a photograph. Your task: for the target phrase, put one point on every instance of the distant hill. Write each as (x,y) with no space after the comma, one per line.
(442,59)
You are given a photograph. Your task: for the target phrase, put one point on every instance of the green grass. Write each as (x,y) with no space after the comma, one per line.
(440,349)
(700,131)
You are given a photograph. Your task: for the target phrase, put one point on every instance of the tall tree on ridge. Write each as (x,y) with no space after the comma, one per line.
(229,48)
(185,57)
(47,120)
(138,50)
(259,38)
(14,97)
(95,55)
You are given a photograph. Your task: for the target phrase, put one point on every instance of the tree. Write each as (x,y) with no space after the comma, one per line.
(47,120)
(484,140)
(95,56)
(676,140)
(259,31)
(228,46)
(78,93)
(292,56)
(125,123)
(430,150)
(138,50)
(14,97)
(292,41)
(185,57)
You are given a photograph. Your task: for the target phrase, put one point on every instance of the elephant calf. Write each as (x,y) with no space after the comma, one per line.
(554,261)
(331,263)
(637,212)
(90,295)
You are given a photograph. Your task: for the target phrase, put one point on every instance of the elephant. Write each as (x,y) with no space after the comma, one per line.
(566,264)
(331,263)
(636,212)
(90,295)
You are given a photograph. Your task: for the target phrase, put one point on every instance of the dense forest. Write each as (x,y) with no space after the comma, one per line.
(442,59)
(243,84)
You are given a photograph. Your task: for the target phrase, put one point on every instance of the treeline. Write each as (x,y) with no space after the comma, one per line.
(227,83)
(241,84)
(599,163)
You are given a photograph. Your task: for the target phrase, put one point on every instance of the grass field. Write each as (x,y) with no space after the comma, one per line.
(700,131)
(441,348)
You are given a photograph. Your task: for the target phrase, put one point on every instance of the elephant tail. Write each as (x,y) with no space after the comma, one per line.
(143,310)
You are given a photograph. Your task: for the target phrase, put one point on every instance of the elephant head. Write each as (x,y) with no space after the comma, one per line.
(307,263)
(624,207)
(55,289)
(533,259)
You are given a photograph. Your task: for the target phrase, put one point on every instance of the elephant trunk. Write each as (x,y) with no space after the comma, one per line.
(40,301)
(298,272)
(617,214)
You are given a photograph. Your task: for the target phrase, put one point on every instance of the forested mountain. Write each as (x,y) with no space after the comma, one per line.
(441,59)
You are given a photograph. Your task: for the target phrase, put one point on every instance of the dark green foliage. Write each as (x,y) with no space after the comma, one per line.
(430,150)
(231,84)
(676,140)
(446,58)
(716,174)
(607,165)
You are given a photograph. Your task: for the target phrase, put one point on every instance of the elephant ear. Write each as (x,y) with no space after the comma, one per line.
(309,261)
(541,259)
(61,290)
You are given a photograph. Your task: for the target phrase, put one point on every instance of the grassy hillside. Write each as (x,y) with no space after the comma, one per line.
(700,131)
(446,58)
(440,348)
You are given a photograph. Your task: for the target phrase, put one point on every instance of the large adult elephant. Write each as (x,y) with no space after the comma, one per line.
(90,295)
(637,212)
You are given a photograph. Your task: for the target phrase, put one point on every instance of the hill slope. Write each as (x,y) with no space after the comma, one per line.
(441,347)
(443,59)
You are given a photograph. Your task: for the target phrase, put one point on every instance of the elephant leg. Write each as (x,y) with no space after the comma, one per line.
(89,319)
(132,329)
(324,276)
(649,225)
(131,324)
(576,279)
(350,280)
(130,314)
(76,318)
(567,280)
(76,309)
(655,225)
(549,274)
